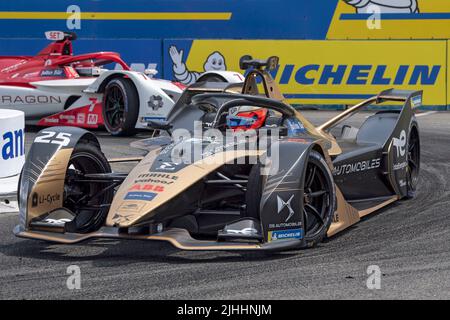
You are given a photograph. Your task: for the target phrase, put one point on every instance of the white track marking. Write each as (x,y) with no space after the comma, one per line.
(426,114)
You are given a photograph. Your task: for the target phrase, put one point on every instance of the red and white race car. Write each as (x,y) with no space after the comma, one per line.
(57,88)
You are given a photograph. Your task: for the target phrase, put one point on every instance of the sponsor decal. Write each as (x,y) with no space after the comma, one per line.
(152,180)
(12,144)
(295,126)
(88,116)
(336,217)
(31,75)
(284,225)
(147,187)
(81,118)
(416,101)
(400,148)
(138,195)
(51,120)
(118,218)
(53,73)
(400,144)
(92,118)
(14,66)
(357,167)
(132,207)
(281,205)
(400,165)
(48,199)
(155,102)
(68,118)
(30,99)
(158,175)
(285,234)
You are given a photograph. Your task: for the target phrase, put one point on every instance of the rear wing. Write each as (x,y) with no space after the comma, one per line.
(401,95)
(411,99)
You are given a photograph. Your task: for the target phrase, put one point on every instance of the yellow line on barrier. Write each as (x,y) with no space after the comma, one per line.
(117,15)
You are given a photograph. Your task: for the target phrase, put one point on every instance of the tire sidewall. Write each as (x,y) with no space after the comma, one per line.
(94,151)
(318,160)
(411,192)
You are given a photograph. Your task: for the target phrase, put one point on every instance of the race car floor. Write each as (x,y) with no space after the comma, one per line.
(409,241)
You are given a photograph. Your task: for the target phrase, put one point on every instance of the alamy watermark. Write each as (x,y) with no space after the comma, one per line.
(73,282)
(74,19)
(212,146)
(374,280)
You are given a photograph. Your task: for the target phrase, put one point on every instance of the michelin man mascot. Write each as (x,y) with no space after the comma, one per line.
(385,6)
(214,62)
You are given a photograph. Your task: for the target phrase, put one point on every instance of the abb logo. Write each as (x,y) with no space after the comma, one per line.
(147,187)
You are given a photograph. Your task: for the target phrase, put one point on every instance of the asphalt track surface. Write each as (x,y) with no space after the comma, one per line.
(409,241)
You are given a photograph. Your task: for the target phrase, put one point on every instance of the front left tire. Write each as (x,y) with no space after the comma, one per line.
(120,107)
(88,201)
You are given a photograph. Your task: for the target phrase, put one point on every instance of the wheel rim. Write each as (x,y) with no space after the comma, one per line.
(115,106)
(83,194)
(316,200)
(413,160)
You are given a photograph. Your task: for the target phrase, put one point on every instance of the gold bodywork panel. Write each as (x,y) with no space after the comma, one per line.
(48,191)
(125,212)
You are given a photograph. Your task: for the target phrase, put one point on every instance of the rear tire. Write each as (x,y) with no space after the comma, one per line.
(120,107)
(318,179)
(413,162)
(86,158)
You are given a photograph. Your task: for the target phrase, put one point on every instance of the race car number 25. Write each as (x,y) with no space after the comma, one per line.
(60,138)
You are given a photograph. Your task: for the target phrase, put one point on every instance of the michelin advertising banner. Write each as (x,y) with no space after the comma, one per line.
(323,72)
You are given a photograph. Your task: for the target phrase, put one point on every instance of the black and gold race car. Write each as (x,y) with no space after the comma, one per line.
(288,185)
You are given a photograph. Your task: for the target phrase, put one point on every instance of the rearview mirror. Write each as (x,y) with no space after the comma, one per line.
(159,125)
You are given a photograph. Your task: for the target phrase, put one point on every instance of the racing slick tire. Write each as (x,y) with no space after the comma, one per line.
(253,195)
(413,162)
(319,201)
(120,107)
(88,201)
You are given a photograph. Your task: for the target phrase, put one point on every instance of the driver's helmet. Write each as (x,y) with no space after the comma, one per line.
(246,120)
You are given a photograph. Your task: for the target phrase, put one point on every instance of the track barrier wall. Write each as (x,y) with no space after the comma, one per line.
(332,53)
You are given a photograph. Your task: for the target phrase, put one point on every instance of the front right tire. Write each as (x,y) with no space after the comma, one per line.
(88,201)
(319,200)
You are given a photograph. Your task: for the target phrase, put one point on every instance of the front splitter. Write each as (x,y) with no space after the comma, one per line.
(179,238)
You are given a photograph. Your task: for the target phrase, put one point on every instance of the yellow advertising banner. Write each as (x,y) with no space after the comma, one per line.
(338,72)
(448,75)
